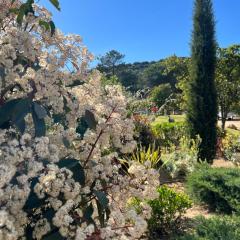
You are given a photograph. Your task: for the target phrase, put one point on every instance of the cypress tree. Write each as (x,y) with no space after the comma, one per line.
(202,97)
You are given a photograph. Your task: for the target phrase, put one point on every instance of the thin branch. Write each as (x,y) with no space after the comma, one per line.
(99,135)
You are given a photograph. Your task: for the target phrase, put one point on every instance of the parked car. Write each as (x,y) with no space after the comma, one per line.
(230,116)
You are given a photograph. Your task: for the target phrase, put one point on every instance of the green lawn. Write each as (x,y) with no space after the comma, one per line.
(233,132)
(181,118)
(162,119)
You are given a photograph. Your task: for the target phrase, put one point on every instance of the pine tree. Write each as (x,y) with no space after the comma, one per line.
(202,97)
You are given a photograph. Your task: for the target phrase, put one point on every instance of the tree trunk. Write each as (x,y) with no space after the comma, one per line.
(224,118)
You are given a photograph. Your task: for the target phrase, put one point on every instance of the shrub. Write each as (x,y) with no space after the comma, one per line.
(167,134)
(231,148)
(224,228)
(143,132)
(178,161)
(167,210)
(219,188)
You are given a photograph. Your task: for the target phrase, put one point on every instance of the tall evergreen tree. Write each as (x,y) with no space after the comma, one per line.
(202,98)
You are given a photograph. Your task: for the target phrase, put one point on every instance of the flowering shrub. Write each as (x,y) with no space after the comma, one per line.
(60,135)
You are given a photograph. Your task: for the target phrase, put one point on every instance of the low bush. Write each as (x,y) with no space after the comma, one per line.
(215,228)
(219,188)
(231,148)
(181,160)
(167,134)
(167,211)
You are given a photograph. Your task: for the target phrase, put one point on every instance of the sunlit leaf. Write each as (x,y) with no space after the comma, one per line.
(56,4)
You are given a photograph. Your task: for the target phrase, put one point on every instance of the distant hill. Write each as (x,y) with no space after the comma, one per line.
(139,75)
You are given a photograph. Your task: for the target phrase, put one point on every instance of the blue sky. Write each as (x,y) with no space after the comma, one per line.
(144,30)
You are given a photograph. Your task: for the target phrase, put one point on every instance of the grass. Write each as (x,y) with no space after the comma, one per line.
(181,118)
(162,119)
(233,132)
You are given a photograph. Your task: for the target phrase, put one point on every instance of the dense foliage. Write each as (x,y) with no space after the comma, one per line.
(167,211)
(228,80)
(160,94)
(202,97)
(219,227)
(219,188)
(182,159)
(139,75)
(168,134)
(231,148)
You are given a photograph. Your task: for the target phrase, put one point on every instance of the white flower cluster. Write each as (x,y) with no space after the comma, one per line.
(37,194)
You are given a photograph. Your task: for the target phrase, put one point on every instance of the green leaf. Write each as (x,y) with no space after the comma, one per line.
(21,14)
(21,125)
(14,10)
(66,142)
(103,209)
(6,110)
(39,110)
(101,214)
(39,125)
(76,83)
(21,109)
(75,167)
(102,198)
(66,108)
(44,24)
(52,27)
(54,236)
(33,201)
(82,126)
(56,4)
(24,10)
(87,214)
(90,119)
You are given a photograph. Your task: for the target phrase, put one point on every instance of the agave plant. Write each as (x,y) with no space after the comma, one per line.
(150,157)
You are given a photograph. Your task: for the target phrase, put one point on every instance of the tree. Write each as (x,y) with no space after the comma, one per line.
(175,69)
(168,70)
(160,93)
(228,80)
(113,80)
(153,75)
(202,96)
(128,79)
(110,60)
